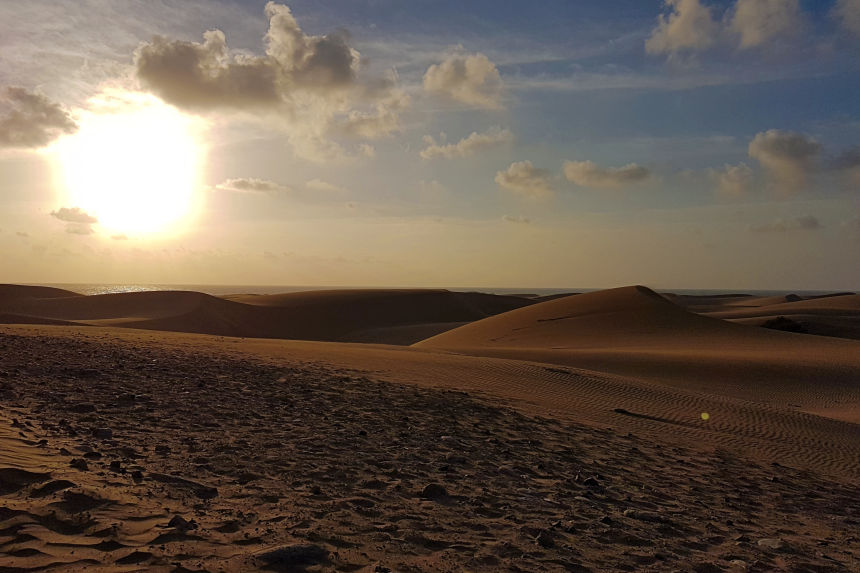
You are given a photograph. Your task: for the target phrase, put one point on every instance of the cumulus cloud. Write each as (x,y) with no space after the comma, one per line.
(759,21)
(803,223)
(74,215)
(382,120)
(309,81)
(786,155)
(589,174)
(732,179)
(251,185)
(517,219)
(523,177)
(848,14)
(467,78)
(466,146)
(31,120)
(689,26)
(206,75)
(324,186)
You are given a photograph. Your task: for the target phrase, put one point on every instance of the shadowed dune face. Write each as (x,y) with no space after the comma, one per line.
(13,292)
(385,316)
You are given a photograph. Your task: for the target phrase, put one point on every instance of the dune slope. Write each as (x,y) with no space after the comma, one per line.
(635,332)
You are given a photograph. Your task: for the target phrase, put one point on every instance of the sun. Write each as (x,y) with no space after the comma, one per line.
(134,164)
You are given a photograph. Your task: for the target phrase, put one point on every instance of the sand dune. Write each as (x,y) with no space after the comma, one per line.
(635,332)
(346,315)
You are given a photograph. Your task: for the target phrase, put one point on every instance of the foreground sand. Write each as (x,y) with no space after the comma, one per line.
(128,450)
(609,431)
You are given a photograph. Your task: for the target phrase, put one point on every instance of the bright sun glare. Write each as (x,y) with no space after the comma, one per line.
(134,165)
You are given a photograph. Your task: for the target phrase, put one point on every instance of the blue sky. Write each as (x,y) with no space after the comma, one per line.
(687,144)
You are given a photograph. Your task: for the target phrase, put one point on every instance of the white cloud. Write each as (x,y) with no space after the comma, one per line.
(760,21)
(688,27)
(324,186)
(31,120)
(74,215)
(467,78)
(732,179)
(310,83)
(589,174)
(787,156)
(803,223)
(848,14)
(466,146)
(523,177)
(251,185)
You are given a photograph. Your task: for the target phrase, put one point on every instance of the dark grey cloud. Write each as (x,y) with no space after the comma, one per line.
(31,120)
(787,156)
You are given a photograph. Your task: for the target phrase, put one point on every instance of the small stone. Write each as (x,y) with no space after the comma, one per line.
(770,543)
(545,540)
(103,433)
(181,524)
(591,482)
(137,475)
(79,464)
(434,491)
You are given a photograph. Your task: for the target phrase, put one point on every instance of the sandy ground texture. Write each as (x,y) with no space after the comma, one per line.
(609,431)
(141,451)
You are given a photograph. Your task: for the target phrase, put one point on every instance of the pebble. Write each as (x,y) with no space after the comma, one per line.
(433,491)
(103,433)
(770,543)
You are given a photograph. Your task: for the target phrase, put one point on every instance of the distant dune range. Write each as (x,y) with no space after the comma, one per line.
(385,316)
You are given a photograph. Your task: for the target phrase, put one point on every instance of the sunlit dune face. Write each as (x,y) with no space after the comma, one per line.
(134,165)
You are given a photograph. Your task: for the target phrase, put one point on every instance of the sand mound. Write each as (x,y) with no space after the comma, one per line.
(359,315)
(12,292)
(634,332)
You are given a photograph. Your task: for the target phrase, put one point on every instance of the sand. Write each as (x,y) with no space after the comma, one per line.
(541,438)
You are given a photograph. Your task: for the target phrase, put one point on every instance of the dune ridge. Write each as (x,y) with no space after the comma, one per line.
(344,315)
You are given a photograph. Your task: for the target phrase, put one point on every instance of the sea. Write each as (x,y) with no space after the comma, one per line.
(222,290)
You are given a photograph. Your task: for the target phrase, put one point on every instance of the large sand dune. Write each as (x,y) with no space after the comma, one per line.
(635,332)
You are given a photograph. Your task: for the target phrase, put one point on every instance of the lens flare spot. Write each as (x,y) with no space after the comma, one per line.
(706,416)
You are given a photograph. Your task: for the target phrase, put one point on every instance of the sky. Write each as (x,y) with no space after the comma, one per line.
(678,144)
